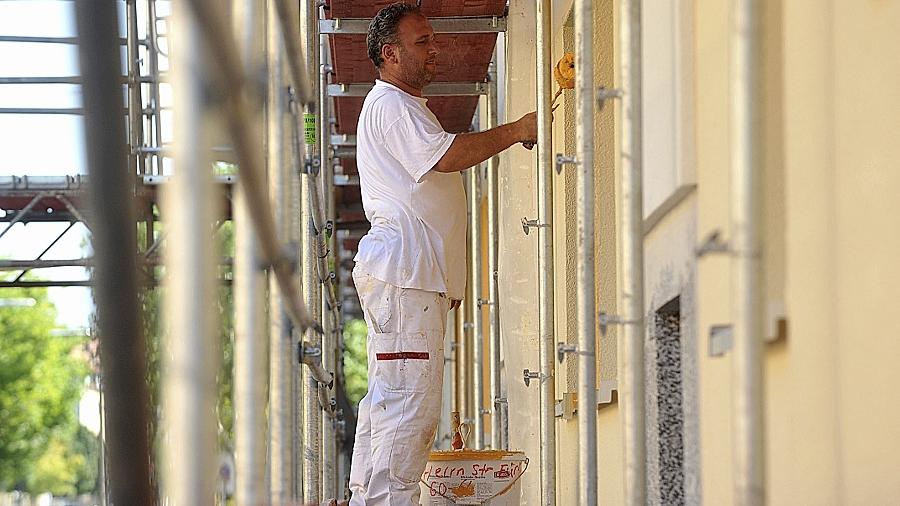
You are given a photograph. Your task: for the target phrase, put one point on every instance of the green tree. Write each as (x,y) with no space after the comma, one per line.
(355,365)
(40,384)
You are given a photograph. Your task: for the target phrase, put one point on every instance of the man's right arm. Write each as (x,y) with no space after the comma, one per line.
(470,149)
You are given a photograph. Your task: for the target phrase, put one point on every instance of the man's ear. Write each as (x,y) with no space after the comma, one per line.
(389,53)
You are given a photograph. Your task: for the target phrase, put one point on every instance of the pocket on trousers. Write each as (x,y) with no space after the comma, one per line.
(403,361)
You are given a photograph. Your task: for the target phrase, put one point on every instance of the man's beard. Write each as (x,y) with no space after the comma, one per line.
(414,75)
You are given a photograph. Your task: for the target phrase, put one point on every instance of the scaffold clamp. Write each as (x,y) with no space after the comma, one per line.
(528,224)
(604,94)
(562,159)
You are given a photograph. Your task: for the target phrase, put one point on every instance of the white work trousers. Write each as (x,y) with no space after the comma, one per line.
(398,417)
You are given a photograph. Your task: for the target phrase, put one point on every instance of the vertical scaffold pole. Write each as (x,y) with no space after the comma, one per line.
(114,235)
(329,313)
(135,105)
(312,415)
(584,154)
(281,347)
(250,345)
(631,345)
(747,366)
(191,362)
(545,257)
(497,423)
(474,304)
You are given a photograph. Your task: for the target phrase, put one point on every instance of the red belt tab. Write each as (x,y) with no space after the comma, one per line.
(401,355)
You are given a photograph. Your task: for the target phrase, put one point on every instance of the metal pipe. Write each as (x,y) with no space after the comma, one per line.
(545,256)
(329,299)
(631,345)
(586,307)
(153,60)
(228,73)
(250,346)
(124,363)
(21,214)
(135,104)
(475,305)
(493,241)
(191,359)
(309,196)
(747,367)
(298,53)
(281,355)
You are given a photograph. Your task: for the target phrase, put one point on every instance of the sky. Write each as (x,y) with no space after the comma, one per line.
(43,145)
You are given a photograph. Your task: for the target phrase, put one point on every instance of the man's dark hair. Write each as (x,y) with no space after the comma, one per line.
(383,29)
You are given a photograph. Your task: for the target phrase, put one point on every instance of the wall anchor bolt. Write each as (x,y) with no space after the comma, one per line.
(562,159)
(712,243)
(606,320)
(604,94)
(529,375)
(562,349)
(484,302)
(528,224)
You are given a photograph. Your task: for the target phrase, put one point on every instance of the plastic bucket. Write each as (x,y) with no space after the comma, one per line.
(487,477)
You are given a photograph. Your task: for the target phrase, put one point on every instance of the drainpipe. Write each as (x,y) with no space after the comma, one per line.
(747,367)
(281,351)
(191,360)
(631,346)
(249,296)
(312,416)
(584,154)
(493,241)
(475,305)
(545,256)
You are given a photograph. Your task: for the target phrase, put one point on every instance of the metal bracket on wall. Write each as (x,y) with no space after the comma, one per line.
(562,349)
(713,243)
(562,159)
(604,94)
(529,375)
(484,302)
(528,224)
(607,319)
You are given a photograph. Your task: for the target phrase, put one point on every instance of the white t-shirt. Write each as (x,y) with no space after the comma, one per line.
(418,216)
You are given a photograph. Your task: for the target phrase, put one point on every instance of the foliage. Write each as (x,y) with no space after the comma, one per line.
(355,365)
(151,300)
(40,383)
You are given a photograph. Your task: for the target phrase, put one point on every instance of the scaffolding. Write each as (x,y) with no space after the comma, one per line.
(284,90)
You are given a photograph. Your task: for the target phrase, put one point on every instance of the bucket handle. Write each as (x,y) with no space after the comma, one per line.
(498,494)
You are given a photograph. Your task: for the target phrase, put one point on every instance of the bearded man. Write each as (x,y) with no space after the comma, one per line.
(411,265)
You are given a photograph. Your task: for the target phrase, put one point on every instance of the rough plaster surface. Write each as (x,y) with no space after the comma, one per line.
(670,272)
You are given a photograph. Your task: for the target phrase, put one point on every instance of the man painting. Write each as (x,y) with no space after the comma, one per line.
(411,266)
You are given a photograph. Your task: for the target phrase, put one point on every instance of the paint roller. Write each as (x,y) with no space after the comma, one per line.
(564,73)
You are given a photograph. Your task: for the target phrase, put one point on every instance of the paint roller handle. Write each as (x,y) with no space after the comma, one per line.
(527,130)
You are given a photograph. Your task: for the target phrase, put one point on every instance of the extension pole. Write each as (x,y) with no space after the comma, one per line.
(192,357)
(584,154)
(281,348)
(135,104)
(631,345)
(493,238)
(747,366)
(250,344)
(545,256)
(114,239)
